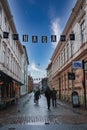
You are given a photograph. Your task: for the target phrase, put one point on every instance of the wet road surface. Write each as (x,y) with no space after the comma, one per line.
(26,112)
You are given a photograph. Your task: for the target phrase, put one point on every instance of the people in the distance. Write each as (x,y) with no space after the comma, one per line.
(37,96)
(48,96)
(54,97)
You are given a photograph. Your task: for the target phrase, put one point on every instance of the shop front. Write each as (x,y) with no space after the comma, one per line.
(9,89)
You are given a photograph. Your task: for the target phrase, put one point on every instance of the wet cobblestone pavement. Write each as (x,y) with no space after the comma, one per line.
(26,112)
(44,120)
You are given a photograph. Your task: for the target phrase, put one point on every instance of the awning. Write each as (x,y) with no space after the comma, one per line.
(4,76)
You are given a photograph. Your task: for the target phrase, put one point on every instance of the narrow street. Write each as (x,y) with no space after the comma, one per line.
(26,112)
(43,50)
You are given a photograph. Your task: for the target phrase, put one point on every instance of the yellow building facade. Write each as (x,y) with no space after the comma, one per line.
(72,49)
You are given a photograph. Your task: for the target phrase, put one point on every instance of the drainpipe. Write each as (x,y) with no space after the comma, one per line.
(84,86)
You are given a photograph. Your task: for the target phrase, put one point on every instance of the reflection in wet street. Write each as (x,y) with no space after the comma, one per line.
(27,112)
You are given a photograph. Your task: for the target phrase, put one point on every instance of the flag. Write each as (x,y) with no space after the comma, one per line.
(53,38)
(62,38)
(5,34)
(25,38)
(44,39)
(72,36)
(15,37)
(34,39)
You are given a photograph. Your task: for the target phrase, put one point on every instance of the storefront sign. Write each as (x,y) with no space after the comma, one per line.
(77,65)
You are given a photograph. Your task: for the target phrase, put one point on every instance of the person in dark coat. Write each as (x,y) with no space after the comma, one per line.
(54,92)
(48,96)
(36,96)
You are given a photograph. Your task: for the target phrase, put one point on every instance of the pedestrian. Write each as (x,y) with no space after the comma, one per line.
(54,92)
(37,96)
(48,96)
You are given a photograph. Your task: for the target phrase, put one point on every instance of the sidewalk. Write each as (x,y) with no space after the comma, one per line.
(68,105)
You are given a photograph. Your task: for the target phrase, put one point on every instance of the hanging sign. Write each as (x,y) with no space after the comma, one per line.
(77,65)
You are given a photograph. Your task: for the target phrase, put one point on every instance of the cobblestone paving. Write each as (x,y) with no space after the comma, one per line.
(45,120)
(32,114)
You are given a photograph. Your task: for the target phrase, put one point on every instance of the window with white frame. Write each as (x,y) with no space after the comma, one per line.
(65,80)
(61,58)
(11,62)
(0,15)
(67,51)
(4,54)
(64,55)
(5,24)
(59,61)
(0,50)
(8,57)
(83,32)
(72,47)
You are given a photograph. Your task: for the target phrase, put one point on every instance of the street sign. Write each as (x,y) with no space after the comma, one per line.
(71,76)
(77,65)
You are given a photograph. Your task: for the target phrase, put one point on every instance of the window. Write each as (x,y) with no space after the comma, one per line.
(65,80)
(0,15)
(83,29)
(0,50)
(61,58)
(4,54)
(72,48)
(5,23)
(8,55)
(64,55)
(59,61)
(67,51)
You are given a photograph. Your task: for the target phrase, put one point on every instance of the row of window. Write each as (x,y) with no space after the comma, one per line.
(10,53)
(70,48)
(8,61)
(5,27)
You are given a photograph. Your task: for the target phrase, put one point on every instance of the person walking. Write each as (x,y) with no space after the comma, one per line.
(54,92)
(37,96)
(48,96)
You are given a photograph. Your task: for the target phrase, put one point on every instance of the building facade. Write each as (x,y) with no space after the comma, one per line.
(44,83)
(49,75)
(24,80)
(30,84)
(74,48)
(10,56)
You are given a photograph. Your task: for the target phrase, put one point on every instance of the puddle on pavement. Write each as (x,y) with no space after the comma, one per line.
(36,123)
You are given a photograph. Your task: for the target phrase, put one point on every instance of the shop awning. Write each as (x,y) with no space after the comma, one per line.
(4,76)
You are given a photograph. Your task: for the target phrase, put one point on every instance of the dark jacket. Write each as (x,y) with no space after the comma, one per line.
(54,92)
(37,95)
(48,93)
